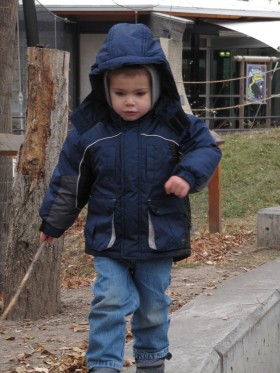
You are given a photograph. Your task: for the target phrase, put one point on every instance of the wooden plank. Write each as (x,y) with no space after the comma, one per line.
(10,144)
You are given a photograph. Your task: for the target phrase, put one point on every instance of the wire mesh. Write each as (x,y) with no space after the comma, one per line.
(6,181)
(53,34)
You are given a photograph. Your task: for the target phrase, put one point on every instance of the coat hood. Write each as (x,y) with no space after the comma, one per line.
(132,44)
(125,44)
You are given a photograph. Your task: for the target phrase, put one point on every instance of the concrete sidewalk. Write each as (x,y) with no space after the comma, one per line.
(236,330)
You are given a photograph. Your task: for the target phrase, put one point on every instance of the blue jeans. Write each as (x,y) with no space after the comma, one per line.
(123,288)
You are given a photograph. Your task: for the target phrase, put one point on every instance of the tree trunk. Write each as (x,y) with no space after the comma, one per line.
(46,128)
(8,17)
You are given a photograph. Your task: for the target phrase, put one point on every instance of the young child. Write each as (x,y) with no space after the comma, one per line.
(133,156)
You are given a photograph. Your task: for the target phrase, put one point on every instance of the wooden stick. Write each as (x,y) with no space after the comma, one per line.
(23,282)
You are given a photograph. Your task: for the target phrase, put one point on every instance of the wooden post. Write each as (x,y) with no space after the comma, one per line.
(46,129)
(215,201)
(215,194)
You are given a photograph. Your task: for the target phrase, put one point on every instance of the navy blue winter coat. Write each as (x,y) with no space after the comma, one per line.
(119,168)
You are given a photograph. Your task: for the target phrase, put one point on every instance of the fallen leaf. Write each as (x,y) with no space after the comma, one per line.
(245,269)
(79,329)
(128,362)
(20,370)
(10,338)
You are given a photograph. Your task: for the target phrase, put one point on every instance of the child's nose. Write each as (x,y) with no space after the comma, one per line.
(129,100)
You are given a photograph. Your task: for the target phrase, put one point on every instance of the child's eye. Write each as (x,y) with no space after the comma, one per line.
(141,93)
(117,93)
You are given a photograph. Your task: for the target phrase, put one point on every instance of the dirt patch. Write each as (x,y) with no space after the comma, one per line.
(57,343)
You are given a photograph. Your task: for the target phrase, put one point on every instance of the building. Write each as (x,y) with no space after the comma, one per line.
(209,36)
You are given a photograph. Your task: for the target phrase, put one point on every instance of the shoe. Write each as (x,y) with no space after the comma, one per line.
(155,369)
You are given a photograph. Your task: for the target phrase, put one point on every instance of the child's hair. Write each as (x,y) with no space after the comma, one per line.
(133,70)
(128,70)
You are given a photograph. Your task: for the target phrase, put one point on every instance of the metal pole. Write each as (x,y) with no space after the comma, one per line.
(208,78)
(31,25)
(242,92)
(268,92)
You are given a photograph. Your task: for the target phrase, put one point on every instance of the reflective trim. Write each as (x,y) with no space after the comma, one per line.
(151,238)
(78,180)
(113,235)
(163,138)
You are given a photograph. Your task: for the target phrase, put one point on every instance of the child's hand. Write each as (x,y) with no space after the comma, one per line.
(44,237)
(177,186)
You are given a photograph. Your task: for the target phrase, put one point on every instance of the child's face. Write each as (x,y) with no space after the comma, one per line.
(130,95)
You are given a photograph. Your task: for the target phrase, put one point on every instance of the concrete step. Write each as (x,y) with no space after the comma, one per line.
(235,330)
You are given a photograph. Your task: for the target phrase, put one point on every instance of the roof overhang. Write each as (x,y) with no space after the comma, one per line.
(216,9)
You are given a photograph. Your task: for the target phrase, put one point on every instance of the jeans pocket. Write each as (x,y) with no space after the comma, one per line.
(167,221)
(100,232)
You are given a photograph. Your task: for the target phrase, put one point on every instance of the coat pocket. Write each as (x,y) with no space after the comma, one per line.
(168,224)
(100,232)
